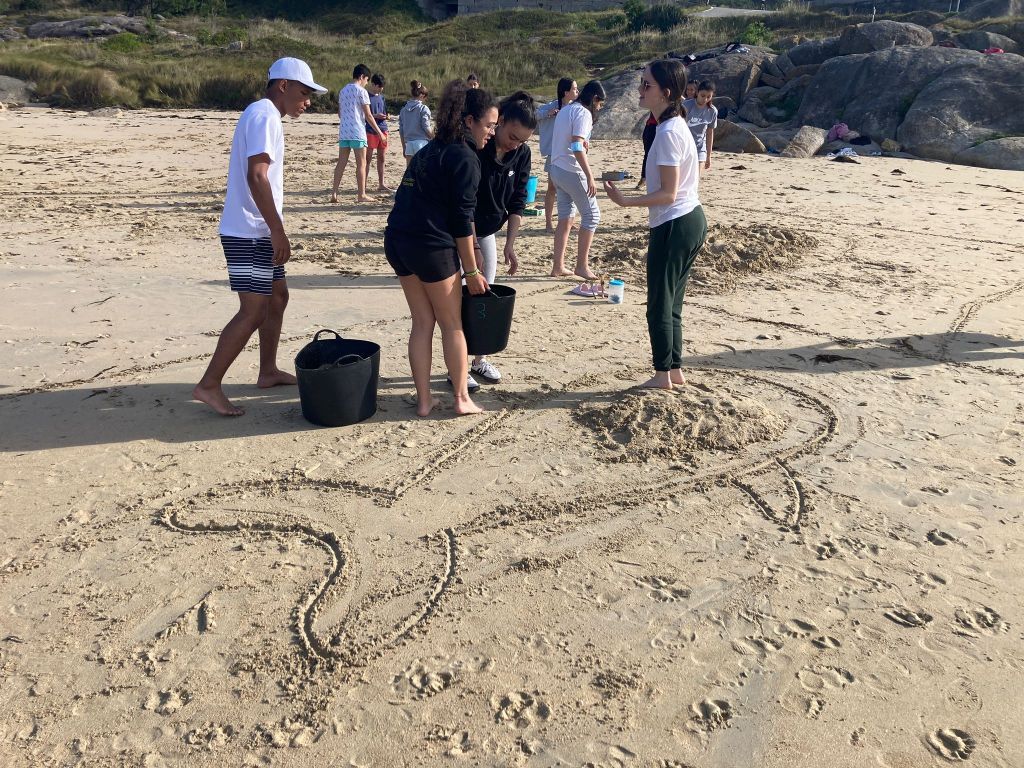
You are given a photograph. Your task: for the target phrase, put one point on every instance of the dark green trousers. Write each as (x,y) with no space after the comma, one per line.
(670,255)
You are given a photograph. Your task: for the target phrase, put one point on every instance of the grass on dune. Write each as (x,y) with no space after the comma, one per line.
(510,50)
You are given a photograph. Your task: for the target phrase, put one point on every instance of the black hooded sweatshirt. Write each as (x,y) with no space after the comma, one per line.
(434,203)
(502,191)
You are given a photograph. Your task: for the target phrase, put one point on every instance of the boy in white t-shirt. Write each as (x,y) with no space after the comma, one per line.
(354,116)
(252,232)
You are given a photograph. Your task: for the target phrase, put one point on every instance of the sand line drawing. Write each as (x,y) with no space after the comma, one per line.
(968,310)
(329,655)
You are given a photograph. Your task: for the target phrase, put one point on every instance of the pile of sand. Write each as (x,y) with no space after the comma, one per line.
(673,425)
(729,253)
(732,251)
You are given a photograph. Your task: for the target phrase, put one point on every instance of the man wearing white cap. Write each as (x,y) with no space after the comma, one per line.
(252,232)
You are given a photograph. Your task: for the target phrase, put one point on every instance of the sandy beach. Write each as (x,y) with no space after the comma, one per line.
(812,556)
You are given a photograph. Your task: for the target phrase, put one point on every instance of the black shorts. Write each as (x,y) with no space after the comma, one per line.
(407,257)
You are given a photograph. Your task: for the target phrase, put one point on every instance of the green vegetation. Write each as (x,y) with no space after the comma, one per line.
(204,65)
(756,33)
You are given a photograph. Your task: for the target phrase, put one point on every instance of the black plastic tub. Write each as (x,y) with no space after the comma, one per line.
(487,319)
(338,379)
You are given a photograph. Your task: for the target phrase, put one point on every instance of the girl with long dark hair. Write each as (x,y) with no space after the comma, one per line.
(677,223)
(429,237)
(501,197)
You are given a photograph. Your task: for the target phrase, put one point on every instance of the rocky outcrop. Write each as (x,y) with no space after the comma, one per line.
(730,137)
(89,26)
(806,143)
(873,92)
(972,112)
(621,117)
(14,92)
(980,40)
(939,103)
(1007,153)
(881,35)
(10,33)
(993,9)
(732,73)
(813,52)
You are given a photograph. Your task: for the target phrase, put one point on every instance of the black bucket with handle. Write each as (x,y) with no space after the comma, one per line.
(337,379)
(487,319)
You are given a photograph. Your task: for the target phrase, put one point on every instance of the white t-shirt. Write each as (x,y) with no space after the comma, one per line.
(573,120)
(259,131)
(673,145)
(350,109)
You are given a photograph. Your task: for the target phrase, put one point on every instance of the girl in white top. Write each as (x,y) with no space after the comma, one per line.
(574,179)
(678,226)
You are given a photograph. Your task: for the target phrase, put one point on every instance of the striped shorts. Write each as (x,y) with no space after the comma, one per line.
(251,264)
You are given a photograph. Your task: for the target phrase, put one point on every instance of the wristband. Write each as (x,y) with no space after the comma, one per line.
(474,273)
(576,146)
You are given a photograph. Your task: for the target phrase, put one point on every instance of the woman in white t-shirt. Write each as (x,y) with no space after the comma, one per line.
(678,226)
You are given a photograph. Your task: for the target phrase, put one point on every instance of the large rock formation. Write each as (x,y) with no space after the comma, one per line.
(90,26)
(732,73)
(880,35)
(971,113)
(939,103)
(993,9)
(730,137)
(981,39)
(621,117)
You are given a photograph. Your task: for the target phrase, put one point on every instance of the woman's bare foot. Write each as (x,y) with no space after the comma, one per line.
(588,275)
(676,376)
(549,229)
(275,378)
(660,380)
(560,273)
(216,399)
(334,198)
(425,408)
(464,406)
(364,199)
(386,190)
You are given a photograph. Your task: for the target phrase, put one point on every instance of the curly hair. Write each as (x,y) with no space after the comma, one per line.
(458,102)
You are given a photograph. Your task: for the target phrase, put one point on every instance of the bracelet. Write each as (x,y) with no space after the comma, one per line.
(474,273)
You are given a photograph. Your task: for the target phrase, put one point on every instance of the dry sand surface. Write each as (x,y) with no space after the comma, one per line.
(813,556)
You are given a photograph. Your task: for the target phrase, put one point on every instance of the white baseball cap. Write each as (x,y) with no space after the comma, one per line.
(294,69)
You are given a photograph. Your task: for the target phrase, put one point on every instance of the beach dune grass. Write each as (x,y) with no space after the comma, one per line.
(510,50)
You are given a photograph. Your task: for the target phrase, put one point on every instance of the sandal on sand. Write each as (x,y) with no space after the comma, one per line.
(584,289)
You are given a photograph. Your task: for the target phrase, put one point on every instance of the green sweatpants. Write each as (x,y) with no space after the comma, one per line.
(670,255)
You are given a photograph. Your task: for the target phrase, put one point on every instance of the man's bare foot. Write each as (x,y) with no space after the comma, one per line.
(275,378)
(385,190)
(364,199)
(549,229)
(464,406)
(216,399)
(659,380)
(424,409)
(588,275)
(560,273)
(676,376)
(334,198)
